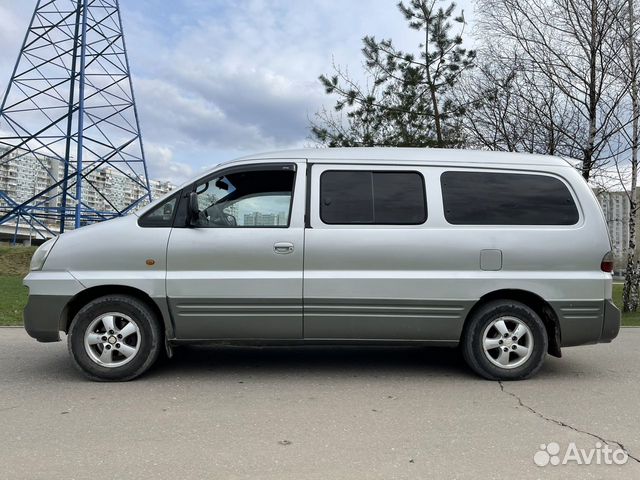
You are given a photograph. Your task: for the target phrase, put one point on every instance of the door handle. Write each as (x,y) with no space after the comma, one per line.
(283,248)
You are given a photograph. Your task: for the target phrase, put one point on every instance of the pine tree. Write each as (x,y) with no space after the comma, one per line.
(407,99)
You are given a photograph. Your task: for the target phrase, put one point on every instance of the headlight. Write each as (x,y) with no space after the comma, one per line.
(38,259)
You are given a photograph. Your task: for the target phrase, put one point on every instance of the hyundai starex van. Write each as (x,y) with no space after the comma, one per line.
(505,255)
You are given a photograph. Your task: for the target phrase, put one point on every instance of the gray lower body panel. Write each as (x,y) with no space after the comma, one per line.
(365,320)
(237,318)
(384,319)
(611,323)
(587,322)
(42,316)
(325,320)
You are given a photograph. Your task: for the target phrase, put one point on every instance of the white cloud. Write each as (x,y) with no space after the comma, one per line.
(226,77)
(160,160)
(14,19)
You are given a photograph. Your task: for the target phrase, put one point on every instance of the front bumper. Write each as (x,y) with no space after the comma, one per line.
(49,295)
(611,322)
(43,316)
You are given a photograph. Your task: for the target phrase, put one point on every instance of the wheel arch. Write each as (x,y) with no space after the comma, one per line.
(81,299)
(533,301)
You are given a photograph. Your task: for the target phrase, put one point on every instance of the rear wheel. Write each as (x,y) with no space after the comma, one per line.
(114,338)
(505,340)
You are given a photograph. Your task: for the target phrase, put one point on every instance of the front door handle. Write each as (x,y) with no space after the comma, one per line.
(283,248)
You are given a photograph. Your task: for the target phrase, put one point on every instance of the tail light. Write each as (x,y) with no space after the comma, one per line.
(607,263)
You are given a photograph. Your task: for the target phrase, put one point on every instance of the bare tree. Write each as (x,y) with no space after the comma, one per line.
(512,108)
(574,45)
(629,72)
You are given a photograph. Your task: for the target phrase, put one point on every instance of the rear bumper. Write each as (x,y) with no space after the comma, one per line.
(587,322)
(42,316)
(611,322)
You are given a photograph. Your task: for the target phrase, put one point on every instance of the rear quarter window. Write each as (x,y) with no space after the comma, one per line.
(494,198)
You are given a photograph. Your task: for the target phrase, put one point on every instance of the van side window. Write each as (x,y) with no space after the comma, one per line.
(372,198)
(162,215)
(252,198)
(485,198)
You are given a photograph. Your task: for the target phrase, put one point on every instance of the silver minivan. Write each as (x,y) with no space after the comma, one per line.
(505,255)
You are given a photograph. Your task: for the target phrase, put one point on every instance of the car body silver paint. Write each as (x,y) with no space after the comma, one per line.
(114,253)
(361,283)
(238,266)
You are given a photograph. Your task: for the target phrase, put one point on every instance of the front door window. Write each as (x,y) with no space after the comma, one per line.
(255,198)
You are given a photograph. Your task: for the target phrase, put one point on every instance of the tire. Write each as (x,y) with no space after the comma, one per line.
(121,353)
(523,357)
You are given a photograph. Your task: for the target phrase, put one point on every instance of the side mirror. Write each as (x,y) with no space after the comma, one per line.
(194,211)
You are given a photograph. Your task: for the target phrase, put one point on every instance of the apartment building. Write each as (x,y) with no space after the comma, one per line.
(616,207)
(104,190)
(257,219)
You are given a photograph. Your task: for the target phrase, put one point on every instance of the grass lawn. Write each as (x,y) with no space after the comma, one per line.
(628,319)
(13,296)
(14,265)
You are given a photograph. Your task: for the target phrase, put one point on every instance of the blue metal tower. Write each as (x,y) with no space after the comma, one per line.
(70,143)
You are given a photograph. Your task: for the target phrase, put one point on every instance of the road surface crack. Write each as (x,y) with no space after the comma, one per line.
(566,425)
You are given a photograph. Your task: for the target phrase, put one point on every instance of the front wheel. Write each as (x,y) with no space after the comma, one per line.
(114,338)
(505,340)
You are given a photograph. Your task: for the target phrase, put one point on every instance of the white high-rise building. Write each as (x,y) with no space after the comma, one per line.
(23,176)
(257,219)
(616,206)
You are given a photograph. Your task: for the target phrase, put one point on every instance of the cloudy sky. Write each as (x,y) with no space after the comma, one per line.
(216,79)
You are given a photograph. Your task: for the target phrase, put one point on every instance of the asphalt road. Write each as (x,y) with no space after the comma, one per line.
(315,413)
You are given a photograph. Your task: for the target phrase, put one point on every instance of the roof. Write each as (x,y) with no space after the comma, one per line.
(409,155)
(406,156)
